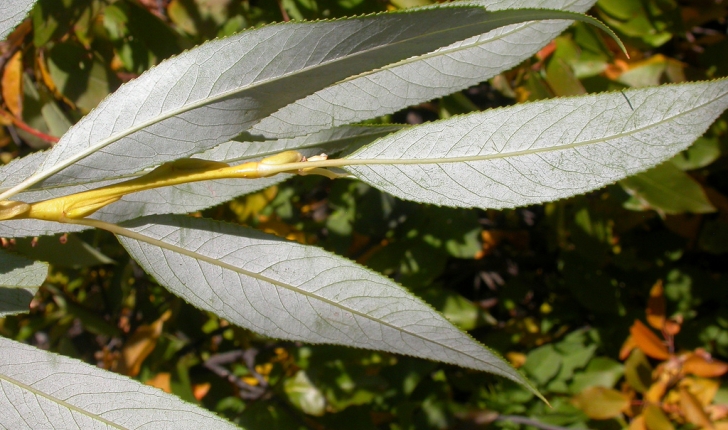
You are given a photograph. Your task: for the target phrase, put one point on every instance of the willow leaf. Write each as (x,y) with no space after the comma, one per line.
(17,271)
(212,93)
(19,281)
(15,301)
(291,291)
(12,13)
(187,197)
(39,389)
(419,79)
(543,151)
(201,195)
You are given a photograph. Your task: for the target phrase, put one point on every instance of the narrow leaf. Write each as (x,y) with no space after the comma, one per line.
(187,197)
(291,291)
(419,79)
(210,94)
(692,410)
(19,280)
(539,152)
(33,228)
(12,13)
(15,300)
(17,271)
(52,391)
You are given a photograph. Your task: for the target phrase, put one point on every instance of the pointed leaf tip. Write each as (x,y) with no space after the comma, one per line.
(298,292)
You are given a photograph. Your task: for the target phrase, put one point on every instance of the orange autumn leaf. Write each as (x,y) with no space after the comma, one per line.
(656,306)
(638,423)
(692,410)
(657,390)
(673,325)
(141,344)
(12,84)
(627,348)
(648,341)
(517,359)
(705,367)
(201,390)
(161,381)
(717,413)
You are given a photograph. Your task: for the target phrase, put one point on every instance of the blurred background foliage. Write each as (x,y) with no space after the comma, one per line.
(614,303)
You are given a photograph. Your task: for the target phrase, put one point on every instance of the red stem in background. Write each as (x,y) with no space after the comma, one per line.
(286,18)
(25,127)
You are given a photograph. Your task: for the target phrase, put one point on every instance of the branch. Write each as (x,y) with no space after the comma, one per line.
(247,391)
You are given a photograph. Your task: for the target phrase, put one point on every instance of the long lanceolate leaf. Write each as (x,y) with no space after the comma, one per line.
(12,13)
(539,152)
(291,291)
(419,79)
(212,93)
(39,389)
(187,197)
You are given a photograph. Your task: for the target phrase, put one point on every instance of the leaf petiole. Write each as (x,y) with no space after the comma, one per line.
(81,205)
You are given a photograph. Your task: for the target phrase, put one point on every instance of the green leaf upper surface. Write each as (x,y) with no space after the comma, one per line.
(15,301)
(212,93)
(39,389)
(12,13)
(419,79)
(19,280)
(17,271)
(298,292)
(543,151)
(667,189)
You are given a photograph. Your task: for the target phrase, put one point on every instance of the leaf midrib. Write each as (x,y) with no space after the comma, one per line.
(209,100)
(379,161)
(192,254)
